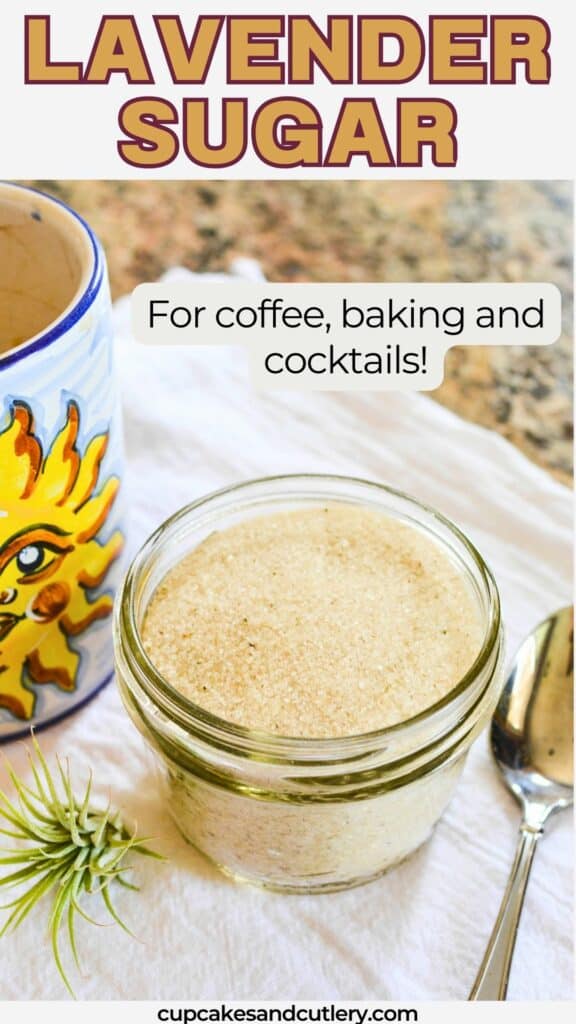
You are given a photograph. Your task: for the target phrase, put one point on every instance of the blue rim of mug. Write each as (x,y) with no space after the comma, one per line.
(84,301)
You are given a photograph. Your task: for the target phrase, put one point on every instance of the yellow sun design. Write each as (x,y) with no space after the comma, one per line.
(49,557)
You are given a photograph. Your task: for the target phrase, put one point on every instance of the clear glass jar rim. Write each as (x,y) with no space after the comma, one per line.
(165,696)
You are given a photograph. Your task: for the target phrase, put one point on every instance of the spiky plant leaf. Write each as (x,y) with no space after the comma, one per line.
(72,849)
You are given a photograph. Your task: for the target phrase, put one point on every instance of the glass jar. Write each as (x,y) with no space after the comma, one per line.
(293,814)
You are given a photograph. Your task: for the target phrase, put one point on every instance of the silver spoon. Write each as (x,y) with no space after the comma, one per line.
(533,746)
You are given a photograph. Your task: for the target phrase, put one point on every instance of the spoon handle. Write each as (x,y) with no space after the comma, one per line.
(492,978)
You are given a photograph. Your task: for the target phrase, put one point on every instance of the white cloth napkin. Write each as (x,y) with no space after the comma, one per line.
(193,424)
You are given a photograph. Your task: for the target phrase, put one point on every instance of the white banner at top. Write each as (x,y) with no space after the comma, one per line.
(229,90)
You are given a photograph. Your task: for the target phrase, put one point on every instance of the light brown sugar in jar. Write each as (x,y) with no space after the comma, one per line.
(322,622)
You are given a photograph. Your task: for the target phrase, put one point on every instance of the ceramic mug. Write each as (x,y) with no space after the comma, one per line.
(60,462)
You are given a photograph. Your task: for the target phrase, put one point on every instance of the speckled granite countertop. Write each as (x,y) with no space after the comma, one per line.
(371,231)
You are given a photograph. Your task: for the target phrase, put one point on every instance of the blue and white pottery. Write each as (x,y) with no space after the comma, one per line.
(60,463)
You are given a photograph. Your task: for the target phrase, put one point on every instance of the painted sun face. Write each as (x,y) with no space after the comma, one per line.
(50,558)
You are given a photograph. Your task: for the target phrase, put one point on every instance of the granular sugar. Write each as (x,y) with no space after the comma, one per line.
(321,622)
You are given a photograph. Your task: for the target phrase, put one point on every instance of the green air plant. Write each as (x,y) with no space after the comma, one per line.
(71,850)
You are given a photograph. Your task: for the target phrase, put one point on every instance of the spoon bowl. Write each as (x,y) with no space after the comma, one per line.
(532,740)
(533,725)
